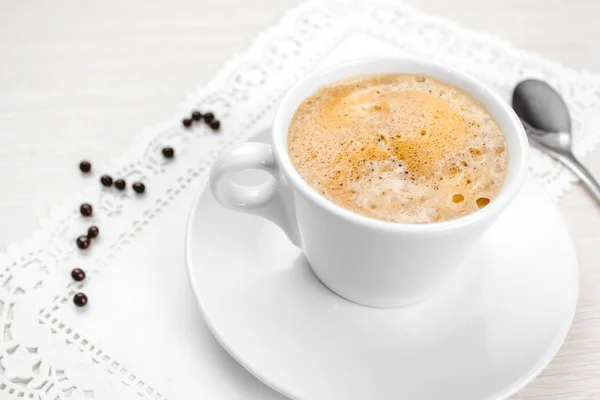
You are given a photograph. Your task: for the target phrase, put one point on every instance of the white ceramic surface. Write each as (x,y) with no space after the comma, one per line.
(368,261)
(492,329)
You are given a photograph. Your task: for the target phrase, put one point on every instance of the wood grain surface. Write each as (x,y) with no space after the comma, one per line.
(81,79)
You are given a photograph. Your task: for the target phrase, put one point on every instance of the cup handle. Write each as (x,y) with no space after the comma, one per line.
(272,200)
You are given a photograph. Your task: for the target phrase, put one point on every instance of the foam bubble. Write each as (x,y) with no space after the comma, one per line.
(400,148)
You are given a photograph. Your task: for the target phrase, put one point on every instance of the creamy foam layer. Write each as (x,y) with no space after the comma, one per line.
(400,148)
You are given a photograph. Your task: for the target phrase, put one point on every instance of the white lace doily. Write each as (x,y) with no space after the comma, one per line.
(141,335)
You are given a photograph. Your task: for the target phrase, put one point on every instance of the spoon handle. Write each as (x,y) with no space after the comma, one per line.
(588,180)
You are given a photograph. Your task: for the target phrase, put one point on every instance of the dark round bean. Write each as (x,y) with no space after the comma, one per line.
(120,184)
(106,180)
(86,209)
(83,242)
(168,152)
(85,166)
(208,117)
(196,115)
(139,187)
(78,274)
(80,299)
(93,232)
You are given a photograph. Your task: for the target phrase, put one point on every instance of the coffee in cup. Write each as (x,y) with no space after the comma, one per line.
(399,147)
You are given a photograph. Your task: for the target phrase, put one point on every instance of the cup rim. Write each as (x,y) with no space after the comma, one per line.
(517,162)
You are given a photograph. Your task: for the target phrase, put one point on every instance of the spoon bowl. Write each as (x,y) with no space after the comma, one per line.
(542,107)
(546,119)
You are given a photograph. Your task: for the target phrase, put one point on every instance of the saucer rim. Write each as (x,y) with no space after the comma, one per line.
(502,394)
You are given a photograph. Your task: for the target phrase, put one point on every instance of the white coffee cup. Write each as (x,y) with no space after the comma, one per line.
(368,261)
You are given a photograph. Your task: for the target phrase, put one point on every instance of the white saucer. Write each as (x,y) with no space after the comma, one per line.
(490,332)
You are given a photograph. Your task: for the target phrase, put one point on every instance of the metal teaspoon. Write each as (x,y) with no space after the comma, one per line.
(546,118)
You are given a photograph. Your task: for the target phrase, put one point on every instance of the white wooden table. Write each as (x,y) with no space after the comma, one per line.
(81,79)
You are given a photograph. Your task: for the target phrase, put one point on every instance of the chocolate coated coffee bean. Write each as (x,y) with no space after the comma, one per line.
(93,232)
(106,180)
(208,117)
(168,152)
(120,184)
(196,115)
(85,166)
(139,187)
(80,299)
(77,274)
(83,242)
(86,209)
